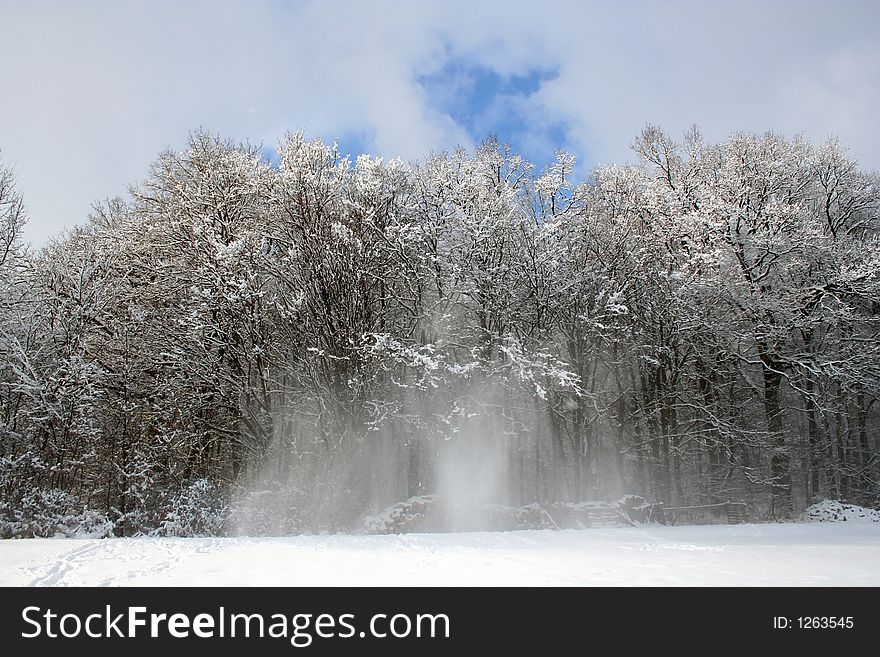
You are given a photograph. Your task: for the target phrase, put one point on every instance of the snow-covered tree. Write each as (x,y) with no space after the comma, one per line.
(293,346)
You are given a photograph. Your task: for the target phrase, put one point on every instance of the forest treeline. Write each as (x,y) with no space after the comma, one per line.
(238,345)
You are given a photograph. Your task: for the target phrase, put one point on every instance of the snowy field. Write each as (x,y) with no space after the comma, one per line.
(796,554)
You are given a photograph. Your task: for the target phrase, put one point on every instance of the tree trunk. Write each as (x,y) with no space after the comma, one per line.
(815,440)
(780,473)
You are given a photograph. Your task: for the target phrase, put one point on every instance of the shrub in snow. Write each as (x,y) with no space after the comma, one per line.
(834,511)
(435,513)
(638,510)
(198,509)
(415,514)
(533,516)
(48,513)
(88,524)
(276,509)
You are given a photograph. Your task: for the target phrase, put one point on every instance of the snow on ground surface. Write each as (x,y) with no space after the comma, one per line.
(794,554)
(833,511)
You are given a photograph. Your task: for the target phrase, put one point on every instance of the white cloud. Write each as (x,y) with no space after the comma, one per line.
(92,91)
(752,66)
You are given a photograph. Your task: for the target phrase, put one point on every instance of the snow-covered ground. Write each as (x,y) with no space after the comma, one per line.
(805,554)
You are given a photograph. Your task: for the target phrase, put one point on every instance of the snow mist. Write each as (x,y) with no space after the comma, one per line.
(470,475)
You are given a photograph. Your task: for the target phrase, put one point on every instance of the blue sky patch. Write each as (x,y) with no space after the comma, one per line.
(270,155)
(486,103)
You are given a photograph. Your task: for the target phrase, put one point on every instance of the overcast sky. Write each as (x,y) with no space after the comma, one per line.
(91,92)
